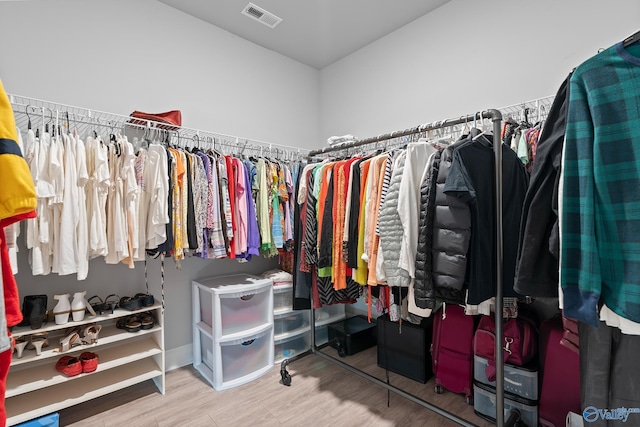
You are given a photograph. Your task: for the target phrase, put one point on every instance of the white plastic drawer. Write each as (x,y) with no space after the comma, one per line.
(282,298)
(322,335)
(241,313)
(235,284)
(230,304)
(517,380)
(244,357)
(207,355)
(291,346)
(329,314)
(288,322)
(206,305)
(484,403)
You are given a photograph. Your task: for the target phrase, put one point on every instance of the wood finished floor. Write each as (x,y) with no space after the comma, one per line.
(321,394)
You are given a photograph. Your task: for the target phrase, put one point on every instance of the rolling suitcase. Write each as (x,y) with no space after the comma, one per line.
(452,351)
(560,388)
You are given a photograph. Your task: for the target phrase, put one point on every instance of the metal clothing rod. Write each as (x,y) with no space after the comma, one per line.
(496,117)
(411,131)
(497,152)
(94,117)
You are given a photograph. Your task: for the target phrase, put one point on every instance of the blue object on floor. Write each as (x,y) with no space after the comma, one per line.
(50,420)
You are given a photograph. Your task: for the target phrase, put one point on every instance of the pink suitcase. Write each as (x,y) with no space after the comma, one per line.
(560,388)
(452,351)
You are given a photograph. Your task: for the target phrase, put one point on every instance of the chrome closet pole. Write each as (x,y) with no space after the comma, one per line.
(496,118)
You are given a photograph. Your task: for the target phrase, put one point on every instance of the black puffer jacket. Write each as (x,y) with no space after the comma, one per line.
(423,285)
(445,239)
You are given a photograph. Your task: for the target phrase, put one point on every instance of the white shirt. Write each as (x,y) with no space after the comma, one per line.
(97,189)
(68,238)
(409,202)
(83,230)
(157,192)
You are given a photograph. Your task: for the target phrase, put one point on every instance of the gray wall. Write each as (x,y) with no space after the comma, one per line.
(465,56)
(122,55)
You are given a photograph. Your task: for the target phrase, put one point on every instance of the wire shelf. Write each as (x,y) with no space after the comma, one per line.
(39,113)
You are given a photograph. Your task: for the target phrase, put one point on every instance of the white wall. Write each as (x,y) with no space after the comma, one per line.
(466,56)
(121,55)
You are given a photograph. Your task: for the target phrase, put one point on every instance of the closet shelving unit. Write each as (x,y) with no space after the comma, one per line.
(538,108)
(35,388)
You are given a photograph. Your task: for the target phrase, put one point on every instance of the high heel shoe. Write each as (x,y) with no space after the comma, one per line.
(62,310)
(78,306)
(98,305)
(112,301)
(69,341)
(38,342)
(21,343)
(91,333)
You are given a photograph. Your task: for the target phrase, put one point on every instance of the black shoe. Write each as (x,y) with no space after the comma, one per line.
(38,313)
(34,306)
(130,304)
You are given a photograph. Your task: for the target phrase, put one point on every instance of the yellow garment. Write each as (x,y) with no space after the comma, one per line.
(361,273)
(17,192)
(176,207)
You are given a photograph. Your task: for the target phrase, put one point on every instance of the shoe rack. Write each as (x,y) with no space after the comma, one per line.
(36,388)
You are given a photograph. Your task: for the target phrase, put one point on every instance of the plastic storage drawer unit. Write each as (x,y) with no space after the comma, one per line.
(290,346)
(521,381)
(484,405)
(289,322)
(233,303)
(282,298)
(243,357)
(232,329)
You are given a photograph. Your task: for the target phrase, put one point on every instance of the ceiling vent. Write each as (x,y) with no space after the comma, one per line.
(261,15)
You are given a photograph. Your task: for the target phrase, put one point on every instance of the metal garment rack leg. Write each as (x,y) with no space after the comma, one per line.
(496,118)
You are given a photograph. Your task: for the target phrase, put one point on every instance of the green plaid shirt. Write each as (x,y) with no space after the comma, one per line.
(600,211)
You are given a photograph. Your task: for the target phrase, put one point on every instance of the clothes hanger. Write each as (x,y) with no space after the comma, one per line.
(66,114)
(196,143)
(46,126)
(26,110)
(631,39)
(41,123)
(466,129)
(486,130)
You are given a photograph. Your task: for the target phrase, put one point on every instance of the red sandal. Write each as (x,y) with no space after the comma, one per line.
(89,362)
(70,366)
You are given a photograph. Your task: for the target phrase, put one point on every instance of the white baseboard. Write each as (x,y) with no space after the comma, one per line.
(178,357)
